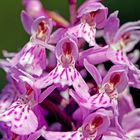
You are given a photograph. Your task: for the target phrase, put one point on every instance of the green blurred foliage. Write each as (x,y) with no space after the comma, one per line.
(13,37)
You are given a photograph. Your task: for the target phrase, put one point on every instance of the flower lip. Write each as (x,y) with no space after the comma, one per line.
(20,117)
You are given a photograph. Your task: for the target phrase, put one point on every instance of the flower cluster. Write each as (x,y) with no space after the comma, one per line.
(57,85)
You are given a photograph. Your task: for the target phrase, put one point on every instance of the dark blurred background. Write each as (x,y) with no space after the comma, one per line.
(13,37)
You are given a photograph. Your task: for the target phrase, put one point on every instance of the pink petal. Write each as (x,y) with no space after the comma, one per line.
(111,27)
(116,55)
(101,120)
(56,36)
(131,120)
(26,21)
(94,72)
(85,31)
(80,86)
(128,27)
(6,99)
(20,118)
(48,23)
(73,135)
(121,71)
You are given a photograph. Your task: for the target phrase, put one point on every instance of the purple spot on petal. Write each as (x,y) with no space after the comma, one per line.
(79,85)
(25,117)
(73,134)
(15,126)
(15,112)
(62,73)
(55,76)
(72,79)
(10,112)
(104,102)
(17,119)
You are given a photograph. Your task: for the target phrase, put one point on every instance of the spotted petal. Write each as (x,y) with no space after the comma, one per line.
(65,76)
(94,102)
(116,55)
(85,31)
(20,118)
(74,135)
(81,87)
(49,135)
(32,57)
(100,100)
(59,75)
(94,6)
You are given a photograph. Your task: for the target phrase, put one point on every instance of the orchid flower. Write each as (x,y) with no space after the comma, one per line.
(92,16)
(107,95)
(65,72)
(119,41)
(19,116)
(94,125)
(32,58)
(36,9)
(122,40)
(108,88)
(127,114)
(60,89)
